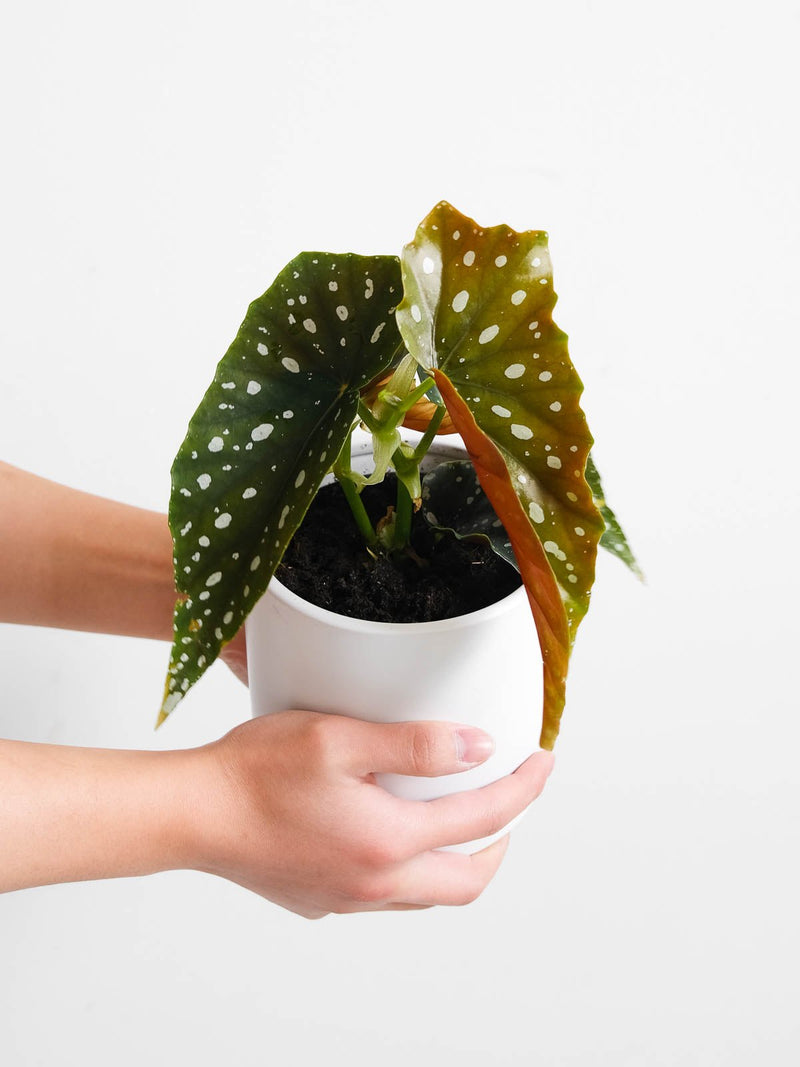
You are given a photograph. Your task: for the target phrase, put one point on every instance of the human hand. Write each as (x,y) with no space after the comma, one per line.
(289,808)
(234,654)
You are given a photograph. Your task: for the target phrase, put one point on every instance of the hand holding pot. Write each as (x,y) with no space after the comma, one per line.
(286,805)
(296,814)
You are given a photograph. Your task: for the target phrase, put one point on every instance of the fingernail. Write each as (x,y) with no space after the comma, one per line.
(473,746)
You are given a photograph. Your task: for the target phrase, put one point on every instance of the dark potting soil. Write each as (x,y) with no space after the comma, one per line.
(328,564)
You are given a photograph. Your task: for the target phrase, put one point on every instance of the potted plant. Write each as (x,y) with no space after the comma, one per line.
(456,335)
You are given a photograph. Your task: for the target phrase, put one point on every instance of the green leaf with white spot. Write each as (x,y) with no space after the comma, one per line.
(613,539)
(453,499)
(268,429)
(478,313)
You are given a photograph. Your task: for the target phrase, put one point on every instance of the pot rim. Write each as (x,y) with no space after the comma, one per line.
(347,622)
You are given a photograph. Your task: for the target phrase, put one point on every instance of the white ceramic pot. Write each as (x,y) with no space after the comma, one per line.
(482,669)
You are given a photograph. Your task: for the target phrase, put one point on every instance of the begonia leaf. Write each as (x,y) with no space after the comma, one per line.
(273,421)
(453,499)
(477,314)
(613,539)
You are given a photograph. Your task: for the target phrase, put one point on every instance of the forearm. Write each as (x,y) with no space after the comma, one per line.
(80,562)
(72,814)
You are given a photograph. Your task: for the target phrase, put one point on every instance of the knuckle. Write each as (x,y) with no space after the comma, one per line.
(493,819)
(320,740)
(423,748)
(378,853)
(369,890)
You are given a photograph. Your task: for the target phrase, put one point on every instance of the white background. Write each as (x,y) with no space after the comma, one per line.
(161,163)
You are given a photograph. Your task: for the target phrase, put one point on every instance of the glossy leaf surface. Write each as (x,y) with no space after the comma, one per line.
(271,424)
(477,312)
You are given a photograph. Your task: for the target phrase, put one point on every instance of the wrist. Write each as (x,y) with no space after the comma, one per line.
(176,812)
(191,826)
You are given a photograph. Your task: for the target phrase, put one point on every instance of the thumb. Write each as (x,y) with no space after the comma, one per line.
(426,749)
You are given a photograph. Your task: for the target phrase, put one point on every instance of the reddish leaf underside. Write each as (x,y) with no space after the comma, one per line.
(478,309)
(537,575)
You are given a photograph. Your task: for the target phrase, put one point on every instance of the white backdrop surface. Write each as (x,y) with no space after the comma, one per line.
(161,163)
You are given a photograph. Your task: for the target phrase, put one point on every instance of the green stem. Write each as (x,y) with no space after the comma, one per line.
(353,498)
(427,438)
(411,398)
(402,517)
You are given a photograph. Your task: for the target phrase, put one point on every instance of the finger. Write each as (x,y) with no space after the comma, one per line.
(361,907)
(405,907)
(447,878)
(234,654)
(427,749)
(478,813)
(238,667)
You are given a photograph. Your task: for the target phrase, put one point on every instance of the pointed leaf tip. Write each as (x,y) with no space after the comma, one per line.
(268,429)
